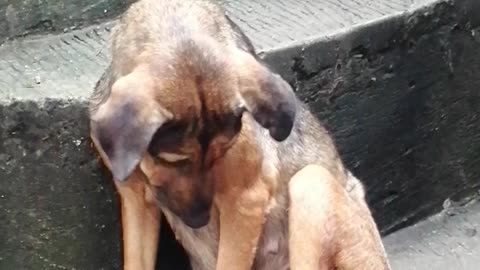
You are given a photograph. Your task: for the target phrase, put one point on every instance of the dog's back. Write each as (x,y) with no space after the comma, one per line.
(309,143)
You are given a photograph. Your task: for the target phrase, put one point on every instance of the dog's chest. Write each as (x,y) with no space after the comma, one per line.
(202,244)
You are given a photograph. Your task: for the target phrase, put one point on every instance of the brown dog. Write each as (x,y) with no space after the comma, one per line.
(192,125)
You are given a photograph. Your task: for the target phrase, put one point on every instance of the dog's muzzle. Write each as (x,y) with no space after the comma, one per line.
(196,220)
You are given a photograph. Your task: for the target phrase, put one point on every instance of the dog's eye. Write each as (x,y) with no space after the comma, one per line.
(172,159)
(167,137)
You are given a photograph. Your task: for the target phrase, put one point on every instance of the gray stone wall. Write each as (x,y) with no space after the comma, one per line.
(22,17)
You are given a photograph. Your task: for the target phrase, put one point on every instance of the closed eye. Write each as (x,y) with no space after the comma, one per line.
(172,157)
(172,160)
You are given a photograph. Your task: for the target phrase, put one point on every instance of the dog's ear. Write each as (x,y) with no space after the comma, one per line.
(268,97)
(123,126)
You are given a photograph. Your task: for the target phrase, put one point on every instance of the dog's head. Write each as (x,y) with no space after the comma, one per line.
(173,120)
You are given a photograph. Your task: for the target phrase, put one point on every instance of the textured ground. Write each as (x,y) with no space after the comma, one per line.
(450,240)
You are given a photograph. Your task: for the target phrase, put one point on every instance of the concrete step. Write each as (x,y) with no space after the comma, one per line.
(396,81)
(449,240)
(26,17)
(66,66)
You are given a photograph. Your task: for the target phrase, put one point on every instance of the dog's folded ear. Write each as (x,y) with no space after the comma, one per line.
(123,126)
(268,97)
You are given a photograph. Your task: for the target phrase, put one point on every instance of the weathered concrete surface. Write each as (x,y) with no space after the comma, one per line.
(56,211)
(23,17)
(284,19)
(449,240)
(401,98)
(400,94)
(35,69)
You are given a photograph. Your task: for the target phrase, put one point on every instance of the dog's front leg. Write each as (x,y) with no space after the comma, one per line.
(140,223)
(328,228)
(242,216)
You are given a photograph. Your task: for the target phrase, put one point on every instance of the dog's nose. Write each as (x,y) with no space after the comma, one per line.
(197,220)
(198,214)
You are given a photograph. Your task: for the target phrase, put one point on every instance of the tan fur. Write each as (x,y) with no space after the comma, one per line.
(185,82)
(333,219)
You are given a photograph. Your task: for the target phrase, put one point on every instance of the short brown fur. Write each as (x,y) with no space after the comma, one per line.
(193,126)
